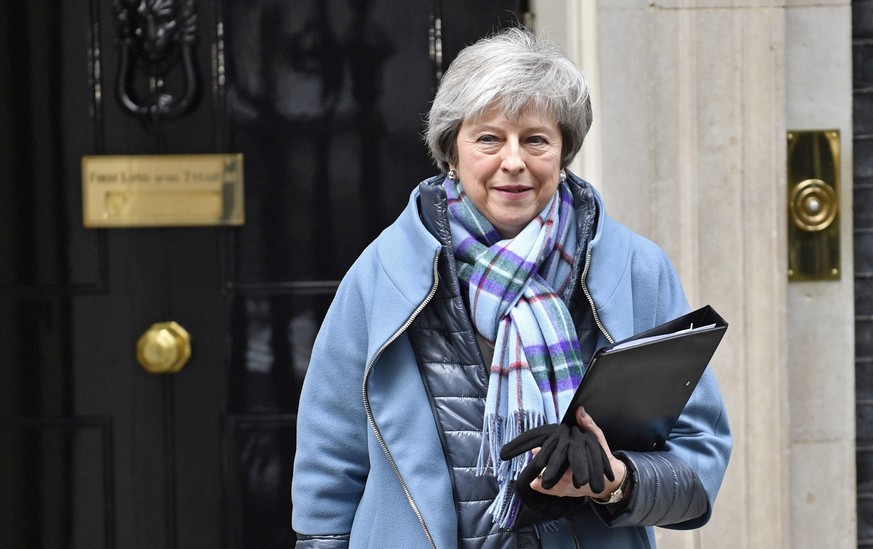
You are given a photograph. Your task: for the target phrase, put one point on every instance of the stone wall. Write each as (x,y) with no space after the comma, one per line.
(693,100)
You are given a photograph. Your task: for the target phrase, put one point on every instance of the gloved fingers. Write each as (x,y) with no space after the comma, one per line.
(599,455)
(599,466)
(531,471)
(595,471)
(607,465)
(554,440)
(578,458)
(556,465)
(588,461)
(565,447)
(526,441)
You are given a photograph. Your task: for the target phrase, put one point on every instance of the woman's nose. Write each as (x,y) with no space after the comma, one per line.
(513,160)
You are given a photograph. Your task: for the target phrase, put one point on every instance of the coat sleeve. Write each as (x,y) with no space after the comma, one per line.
(676,487)
(322,542)
(331,462)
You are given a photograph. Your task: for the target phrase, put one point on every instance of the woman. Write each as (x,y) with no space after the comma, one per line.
(471,319)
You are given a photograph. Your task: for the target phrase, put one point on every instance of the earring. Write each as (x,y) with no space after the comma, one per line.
(563,176)
(453,175)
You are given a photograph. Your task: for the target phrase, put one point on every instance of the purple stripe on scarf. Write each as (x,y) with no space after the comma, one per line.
(563,347)
(489,285)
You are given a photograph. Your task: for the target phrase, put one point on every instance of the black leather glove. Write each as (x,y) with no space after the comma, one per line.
(561,446)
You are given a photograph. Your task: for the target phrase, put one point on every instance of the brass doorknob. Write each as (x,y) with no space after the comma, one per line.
(164,348)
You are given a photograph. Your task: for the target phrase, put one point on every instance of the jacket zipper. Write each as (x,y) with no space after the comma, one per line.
(369,410)
(591,299)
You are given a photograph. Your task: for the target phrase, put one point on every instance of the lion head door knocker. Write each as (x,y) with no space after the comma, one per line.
(155,37)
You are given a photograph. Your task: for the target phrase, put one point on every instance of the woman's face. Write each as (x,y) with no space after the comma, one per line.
(509,168)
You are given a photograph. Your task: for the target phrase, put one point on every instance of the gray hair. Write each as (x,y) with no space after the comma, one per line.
(512,70)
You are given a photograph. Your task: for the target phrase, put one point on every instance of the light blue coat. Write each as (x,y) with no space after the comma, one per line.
(369,471)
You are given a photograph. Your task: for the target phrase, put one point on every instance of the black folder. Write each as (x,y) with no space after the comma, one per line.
(635,389)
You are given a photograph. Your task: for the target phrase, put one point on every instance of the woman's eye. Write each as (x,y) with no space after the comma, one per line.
(487,139)
(537,140)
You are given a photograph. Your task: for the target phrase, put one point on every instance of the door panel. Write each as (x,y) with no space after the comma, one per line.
(35,453)
(326,101)
(323,100)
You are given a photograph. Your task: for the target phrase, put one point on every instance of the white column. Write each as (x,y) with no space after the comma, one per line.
(693,99)
(694,157)
(821,314)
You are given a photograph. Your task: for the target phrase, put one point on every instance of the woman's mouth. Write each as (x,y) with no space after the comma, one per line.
(513,189)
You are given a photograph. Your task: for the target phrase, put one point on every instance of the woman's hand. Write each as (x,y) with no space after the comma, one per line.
(565,487)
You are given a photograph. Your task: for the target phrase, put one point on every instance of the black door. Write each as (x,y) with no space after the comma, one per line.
(325,100)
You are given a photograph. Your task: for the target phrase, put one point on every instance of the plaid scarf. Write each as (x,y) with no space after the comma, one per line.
(514,287)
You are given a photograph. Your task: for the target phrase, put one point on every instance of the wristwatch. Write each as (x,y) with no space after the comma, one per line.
(618,494)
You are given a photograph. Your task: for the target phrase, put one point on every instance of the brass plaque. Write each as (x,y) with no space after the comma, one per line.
(813,205)
(162,190)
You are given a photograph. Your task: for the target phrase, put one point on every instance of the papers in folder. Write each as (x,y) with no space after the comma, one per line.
(635,389)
